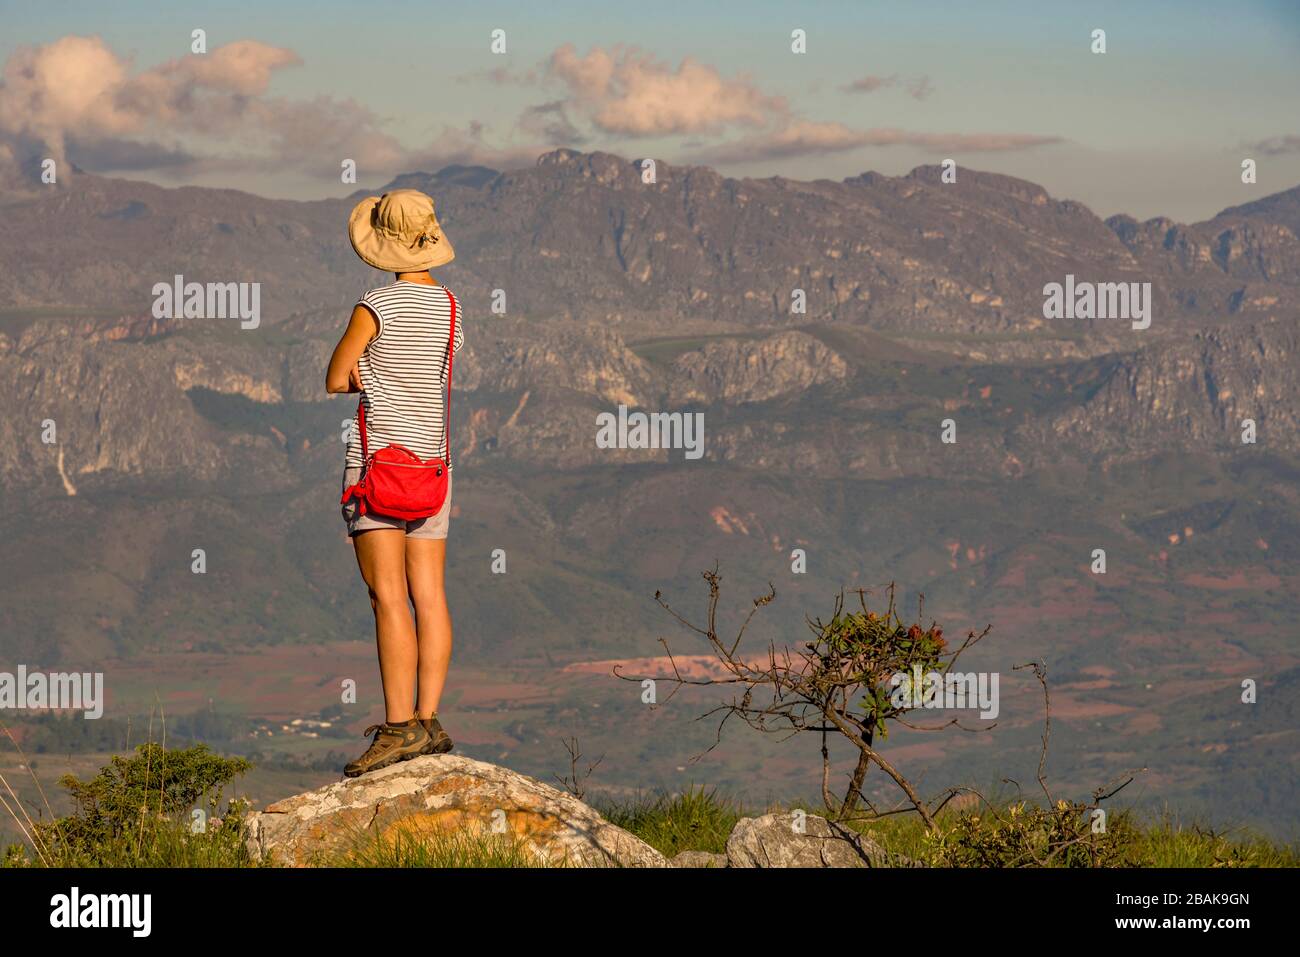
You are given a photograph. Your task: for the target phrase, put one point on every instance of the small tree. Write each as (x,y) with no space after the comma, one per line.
(575,782)
(839,683)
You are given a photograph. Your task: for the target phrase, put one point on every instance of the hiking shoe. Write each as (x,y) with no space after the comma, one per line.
(392,743)
(439,740)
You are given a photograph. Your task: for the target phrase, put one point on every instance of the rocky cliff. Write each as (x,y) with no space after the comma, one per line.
(924,307)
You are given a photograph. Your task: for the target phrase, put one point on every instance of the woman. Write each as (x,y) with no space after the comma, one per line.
(396,353)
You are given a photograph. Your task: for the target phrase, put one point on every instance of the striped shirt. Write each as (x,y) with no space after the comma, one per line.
(404,370)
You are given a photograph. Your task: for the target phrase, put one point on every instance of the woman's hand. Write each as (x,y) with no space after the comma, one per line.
(354,378)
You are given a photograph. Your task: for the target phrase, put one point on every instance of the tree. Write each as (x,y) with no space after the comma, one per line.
(842,682)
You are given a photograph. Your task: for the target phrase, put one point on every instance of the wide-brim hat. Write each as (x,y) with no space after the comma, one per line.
(398,232)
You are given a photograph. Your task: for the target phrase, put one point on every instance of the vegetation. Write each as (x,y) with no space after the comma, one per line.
(162,807)
(844,683)
(139,812)
(838,684)
(695,820)
(157,807)
(467,849)
(1006,834)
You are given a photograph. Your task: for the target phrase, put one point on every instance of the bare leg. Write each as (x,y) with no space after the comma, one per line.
(425,560)
(381,556)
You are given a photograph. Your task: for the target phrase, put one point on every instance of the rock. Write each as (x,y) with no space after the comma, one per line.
(441,794)
(698,859)
(772,841)
(736,371)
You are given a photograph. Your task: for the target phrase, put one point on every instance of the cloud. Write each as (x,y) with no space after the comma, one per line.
(800,138)
(808,138)
(550,123)
(469,147)
(625,91)
(243,67)
(958,142)
(321,132)
(501,76)
(918,87)
(75,99)
(77,86)
(113,155)
(1277,145)
(870,84)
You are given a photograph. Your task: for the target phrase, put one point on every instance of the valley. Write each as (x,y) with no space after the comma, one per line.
(822,432)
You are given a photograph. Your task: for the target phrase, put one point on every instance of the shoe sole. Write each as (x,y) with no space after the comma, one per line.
(440,748)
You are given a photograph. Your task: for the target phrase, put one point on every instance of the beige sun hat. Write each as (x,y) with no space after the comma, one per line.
(398,232)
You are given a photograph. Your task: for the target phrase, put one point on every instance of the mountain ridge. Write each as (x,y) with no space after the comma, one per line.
(898,252)
(823,431)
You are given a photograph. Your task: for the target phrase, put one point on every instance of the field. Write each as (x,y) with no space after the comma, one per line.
(1104,725)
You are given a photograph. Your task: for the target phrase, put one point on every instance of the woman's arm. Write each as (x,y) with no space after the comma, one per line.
(362,327)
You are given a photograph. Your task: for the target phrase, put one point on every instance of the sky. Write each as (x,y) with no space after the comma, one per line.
(1159,124)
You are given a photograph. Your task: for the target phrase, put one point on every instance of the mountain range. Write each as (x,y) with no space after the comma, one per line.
(824,427)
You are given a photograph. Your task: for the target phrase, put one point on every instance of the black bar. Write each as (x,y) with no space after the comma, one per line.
(325,906)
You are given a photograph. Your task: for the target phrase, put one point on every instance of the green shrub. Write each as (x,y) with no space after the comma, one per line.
(1027,835)
(138,811)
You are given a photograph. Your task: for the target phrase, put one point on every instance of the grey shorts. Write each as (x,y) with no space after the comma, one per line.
(435,526)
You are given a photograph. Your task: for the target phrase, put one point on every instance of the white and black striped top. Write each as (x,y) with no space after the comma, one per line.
(404,370)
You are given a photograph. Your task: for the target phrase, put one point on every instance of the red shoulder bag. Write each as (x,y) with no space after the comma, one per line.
(396,482)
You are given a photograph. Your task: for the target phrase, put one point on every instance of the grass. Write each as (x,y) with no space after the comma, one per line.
(163,844)
(136,813)
(700,820)
(1171,844)
(460,849)
(695,820)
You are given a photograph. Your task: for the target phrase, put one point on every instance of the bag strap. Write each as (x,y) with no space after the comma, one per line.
(446,412)
(451,355)
(361,420)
